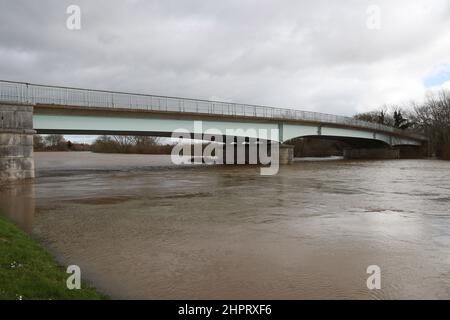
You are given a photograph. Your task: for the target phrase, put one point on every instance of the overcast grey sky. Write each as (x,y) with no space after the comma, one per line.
(312,55)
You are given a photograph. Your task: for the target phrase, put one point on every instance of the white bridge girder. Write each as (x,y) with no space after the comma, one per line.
(95,124)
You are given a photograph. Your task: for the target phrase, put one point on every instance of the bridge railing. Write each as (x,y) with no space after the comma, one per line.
(21,92)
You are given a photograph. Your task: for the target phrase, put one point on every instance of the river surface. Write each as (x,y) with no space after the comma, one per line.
(140,227)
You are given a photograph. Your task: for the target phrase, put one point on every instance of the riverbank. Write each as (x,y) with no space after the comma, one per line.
(28,271)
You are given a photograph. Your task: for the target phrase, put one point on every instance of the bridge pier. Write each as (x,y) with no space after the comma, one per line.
(412,152)
(16,142)
(241,151)
(372,153)
(286,153)
(249,152)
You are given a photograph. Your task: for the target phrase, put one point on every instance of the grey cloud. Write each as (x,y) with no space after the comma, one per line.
(312,55)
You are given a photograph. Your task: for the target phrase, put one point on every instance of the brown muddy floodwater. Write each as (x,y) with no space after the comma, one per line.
(140,227)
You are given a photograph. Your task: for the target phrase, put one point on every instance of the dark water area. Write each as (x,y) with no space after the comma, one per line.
(140,227)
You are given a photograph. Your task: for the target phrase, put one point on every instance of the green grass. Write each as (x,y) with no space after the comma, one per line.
(28,271)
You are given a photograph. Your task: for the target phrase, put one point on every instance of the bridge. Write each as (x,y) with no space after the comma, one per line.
(27,108)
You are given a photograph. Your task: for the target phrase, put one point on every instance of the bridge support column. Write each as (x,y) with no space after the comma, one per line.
(240,152)
(286,153)
(412,152)
(16,142)
(375,153)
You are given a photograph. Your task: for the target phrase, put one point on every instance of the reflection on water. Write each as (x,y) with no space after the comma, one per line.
(141,228)
(17,203)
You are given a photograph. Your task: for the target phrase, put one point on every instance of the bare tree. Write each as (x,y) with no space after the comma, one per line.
(433,117)
(130,144)
(55,142)
(38,142)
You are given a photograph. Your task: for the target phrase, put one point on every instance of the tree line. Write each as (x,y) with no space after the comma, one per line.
(57,142)
(130,144)
(430,118)
(103,144)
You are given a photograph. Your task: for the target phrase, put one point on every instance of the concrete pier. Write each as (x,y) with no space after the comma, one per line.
(375,153)
(16,142)
(238,152)
(249,153)
(412,152)
(286,153)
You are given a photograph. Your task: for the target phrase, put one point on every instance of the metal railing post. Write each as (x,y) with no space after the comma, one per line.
(28,95)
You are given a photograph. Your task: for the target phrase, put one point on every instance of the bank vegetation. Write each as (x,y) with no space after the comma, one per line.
(430,118)
(57,142)
(130,144)
(103,144)
(29,272)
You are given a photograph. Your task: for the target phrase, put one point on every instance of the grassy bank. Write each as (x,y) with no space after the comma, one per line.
(28,271)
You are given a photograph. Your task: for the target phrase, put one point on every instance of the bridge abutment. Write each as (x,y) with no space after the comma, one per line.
(16,142)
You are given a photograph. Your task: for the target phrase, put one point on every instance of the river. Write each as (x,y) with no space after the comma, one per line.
(139,227)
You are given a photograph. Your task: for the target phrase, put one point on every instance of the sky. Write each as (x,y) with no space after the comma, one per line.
(339,57)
